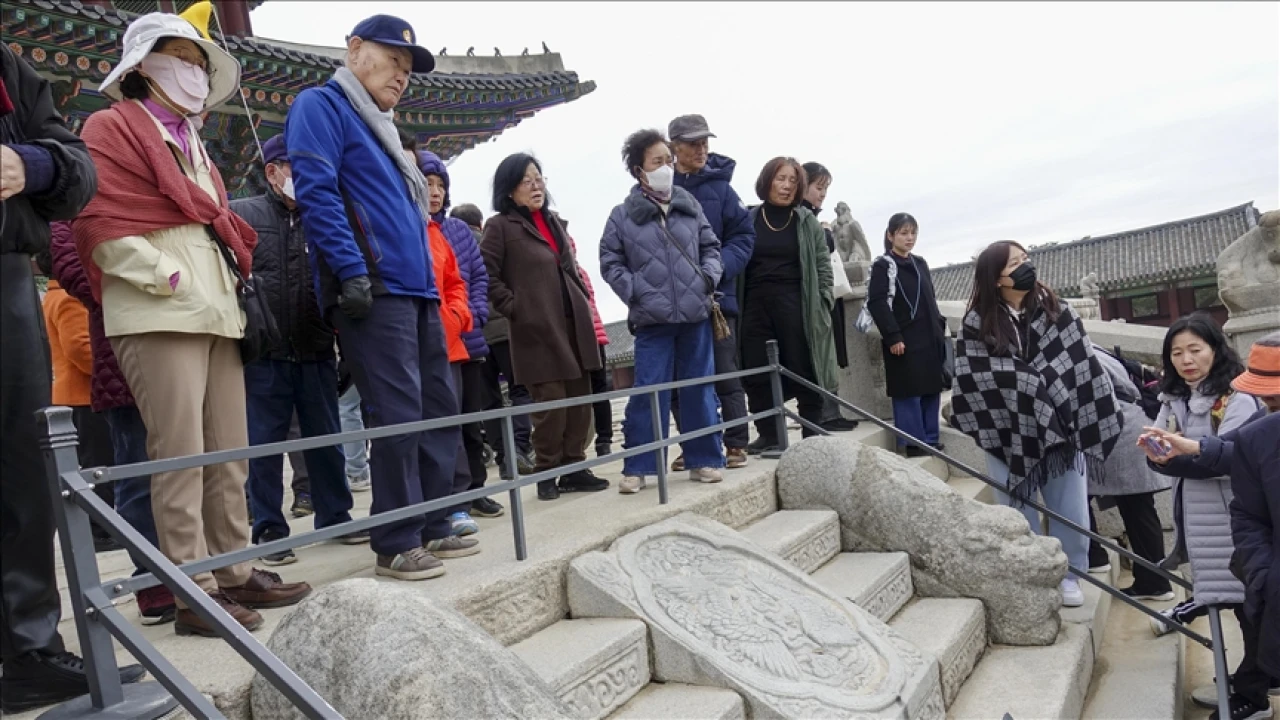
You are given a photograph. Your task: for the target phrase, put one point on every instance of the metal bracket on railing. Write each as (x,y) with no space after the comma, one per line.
(107,696)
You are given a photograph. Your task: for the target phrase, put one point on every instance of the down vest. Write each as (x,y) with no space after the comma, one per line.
(466,249)
(283,270)
(656,278)
(1200,506)
(107,386)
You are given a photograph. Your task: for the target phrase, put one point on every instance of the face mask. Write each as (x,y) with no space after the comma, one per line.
(661,180)
(287,189)
(1024,277)
(187,86)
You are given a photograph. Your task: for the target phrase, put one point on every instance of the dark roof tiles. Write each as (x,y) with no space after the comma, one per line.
(1179,250)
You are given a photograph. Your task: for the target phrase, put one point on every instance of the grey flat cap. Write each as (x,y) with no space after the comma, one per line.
(689,128)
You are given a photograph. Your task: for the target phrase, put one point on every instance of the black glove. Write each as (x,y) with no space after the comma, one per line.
(356,298)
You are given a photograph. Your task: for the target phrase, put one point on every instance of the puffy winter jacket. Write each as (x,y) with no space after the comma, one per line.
(656,278)
(107,386)
(602,337)
(466,249)
(729,220)
(455,306)
(283,271)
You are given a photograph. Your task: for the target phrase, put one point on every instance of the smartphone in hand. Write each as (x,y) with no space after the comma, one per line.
(1156,447)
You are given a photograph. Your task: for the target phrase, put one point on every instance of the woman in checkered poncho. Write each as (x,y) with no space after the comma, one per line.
(1031,393)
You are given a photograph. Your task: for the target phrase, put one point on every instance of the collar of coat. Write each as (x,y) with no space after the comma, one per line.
(642,210)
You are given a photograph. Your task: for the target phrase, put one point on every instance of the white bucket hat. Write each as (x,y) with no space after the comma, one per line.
(141,37)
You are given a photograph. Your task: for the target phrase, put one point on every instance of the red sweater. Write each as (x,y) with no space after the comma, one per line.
(545,229)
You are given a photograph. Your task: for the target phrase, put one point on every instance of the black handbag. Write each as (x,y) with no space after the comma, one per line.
(260,331)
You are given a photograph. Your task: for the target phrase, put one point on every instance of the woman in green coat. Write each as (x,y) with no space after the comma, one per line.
(786,296)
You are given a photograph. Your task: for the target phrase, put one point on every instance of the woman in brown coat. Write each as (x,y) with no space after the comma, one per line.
(534,283)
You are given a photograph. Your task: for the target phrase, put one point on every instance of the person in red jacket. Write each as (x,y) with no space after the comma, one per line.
(603,410)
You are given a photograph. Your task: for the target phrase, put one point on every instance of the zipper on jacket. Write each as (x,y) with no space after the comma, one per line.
(675,300)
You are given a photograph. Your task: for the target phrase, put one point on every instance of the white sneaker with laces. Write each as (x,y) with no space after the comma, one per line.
(631,485)
(706,475)
(1072,595)
(1161,629)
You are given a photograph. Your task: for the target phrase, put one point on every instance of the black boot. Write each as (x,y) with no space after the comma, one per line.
(761,444)
(37,679)
(547,490)
(582,481)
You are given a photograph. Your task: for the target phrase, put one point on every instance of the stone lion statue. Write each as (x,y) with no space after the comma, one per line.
(851,243)
(1249,269)
(1089,286)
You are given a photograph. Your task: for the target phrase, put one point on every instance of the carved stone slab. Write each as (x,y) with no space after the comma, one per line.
(722,612)
(804,538)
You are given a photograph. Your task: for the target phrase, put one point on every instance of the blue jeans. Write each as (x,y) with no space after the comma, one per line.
(133,496)
(664,353)
(399,361)
(918,417)
(274,390)
(349,416)
(1067,495)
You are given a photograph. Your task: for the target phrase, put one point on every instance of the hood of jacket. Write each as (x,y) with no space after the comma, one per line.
(431,164)
(718,167)
(642,210)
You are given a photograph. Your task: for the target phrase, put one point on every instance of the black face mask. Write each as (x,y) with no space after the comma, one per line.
(1024,277)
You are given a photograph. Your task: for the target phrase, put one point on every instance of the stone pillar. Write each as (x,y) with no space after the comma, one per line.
(1249,283)
(862,383)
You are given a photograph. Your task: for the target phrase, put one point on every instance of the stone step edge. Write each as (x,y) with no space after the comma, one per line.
(594,665)
(807,539)
(1030,682)
(677,701)
(883,594)
(953,630)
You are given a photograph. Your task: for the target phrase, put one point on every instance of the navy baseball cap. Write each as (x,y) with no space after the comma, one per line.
(388,30)
(273,150)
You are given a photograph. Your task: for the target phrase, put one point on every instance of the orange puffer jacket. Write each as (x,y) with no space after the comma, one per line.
(455,308)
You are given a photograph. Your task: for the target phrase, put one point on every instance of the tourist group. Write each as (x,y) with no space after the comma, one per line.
(353,294)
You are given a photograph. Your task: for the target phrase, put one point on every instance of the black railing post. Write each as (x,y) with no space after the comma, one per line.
(779,400)
(107,697)
(517,503)
(1220,662)
(655,412)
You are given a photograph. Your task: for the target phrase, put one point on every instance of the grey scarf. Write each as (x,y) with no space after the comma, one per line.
(382,127)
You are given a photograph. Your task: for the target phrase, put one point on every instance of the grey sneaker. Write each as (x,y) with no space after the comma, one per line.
(453,547)
(412,564)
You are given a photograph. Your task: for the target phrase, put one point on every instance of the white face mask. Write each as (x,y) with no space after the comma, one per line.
(287,190)
(661,180)
(186,85)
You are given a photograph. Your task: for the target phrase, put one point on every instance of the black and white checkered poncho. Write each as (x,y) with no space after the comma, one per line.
(1037,410)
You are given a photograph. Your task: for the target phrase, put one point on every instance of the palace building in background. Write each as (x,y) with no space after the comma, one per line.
(466,101)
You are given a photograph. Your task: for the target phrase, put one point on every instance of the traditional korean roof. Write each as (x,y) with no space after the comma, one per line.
(1171,252)
(450,112)
(621,350)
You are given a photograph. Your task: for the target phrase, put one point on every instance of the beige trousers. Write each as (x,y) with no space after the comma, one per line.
(190,393)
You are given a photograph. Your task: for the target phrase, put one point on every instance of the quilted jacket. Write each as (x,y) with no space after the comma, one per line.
(466,249)
(107,386)
(656,278)
(602,337)
(1202,520)
(729,220)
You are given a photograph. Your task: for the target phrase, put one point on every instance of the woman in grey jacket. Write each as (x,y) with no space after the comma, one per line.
(1198,402)
(661,257)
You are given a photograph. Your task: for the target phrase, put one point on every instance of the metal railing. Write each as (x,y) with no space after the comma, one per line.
(97,620)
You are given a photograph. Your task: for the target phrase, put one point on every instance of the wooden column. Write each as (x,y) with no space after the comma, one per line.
(1171,293)
(234,17)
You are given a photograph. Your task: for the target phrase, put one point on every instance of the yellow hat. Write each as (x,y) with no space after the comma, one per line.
(198,15)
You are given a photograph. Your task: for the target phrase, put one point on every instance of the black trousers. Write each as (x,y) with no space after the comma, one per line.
(777,314)
(29,604)
(499,364)
(1146,538)
(475,397)
(1249,680)
(603,410)
(94,449)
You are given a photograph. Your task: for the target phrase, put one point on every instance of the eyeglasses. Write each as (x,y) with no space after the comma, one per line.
(530,183)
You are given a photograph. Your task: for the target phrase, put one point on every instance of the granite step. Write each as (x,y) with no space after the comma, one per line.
(934,466)
(807,539)
(676,701)
(953,630)
(594,666)
(1137,676)
(1030,683)
(879,583)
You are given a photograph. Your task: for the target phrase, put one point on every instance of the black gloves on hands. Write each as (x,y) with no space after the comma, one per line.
(356,298)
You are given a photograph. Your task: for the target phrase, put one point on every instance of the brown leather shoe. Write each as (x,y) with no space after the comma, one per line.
(188,622)
(266,590)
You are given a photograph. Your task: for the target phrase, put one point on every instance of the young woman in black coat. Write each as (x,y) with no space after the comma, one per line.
(912,333)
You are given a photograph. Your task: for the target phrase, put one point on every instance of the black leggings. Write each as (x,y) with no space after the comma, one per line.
(777,314)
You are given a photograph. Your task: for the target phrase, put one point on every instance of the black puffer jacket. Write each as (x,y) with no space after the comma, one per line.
(24,218)
(283,272)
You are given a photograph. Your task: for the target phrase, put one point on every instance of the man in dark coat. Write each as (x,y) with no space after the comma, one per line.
(706,176)
(297,375)
(45,175)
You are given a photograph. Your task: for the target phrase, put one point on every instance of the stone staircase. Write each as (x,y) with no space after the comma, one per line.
(602,667)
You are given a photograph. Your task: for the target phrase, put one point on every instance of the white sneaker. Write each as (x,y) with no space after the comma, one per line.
(706,475)
(1161,629)
(359,484)
(631,485)
(1072,595)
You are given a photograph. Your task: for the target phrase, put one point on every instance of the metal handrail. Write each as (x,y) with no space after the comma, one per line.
(1216,645)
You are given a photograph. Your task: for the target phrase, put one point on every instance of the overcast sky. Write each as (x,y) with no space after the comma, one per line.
(1038,122)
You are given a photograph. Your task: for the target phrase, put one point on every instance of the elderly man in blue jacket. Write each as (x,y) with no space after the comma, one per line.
(364,209)
(706,176)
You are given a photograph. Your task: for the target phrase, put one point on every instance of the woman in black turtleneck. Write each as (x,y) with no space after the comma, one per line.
(786,296)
